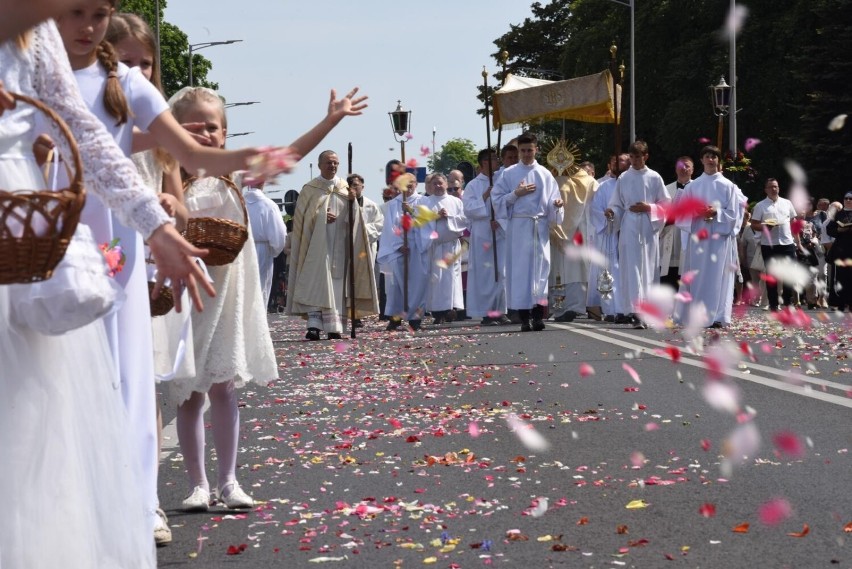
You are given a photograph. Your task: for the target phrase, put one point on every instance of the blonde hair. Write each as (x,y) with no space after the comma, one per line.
(125,25)
(182,101)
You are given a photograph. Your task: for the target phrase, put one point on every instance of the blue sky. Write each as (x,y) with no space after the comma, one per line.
(427,54)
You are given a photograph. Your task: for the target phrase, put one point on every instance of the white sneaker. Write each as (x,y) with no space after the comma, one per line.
(162,532)
(198,501)
(235,497)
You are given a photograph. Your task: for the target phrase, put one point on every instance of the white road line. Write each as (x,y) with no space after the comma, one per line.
(768,369)
(687,360)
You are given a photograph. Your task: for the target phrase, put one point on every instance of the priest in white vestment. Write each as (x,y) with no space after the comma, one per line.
(486,282)
(317,286)
(604,235)
(392,258)
(711,249)
(445,250)
(635,208)
(530,196)
(269,232)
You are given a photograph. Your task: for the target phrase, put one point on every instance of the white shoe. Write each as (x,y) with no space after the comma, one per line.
(162,532)
(235,498)
(198,501)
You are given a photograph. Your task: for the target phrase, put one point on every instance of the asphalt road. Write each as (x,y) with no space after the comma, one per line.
(394,450)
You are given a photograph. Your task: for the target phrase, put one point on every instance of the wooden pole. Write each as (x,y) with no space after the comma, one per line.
(504,57)
(490,177)
(351,254)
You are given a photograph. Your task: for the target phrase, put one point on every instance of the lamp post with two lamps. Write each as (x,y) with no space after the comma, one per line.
(400,124)
(632,5)
(720,98)
(203,45)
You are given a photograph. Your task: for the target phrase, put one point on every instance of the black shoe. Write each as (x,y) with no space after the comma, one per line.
(358,323)
(622,319)
(487,321)
(393,324)
(639,325)
(538,325)
(525,326)
(313,334)
(450,316)
(415,324)
(609,318)
(717,324)
(439,318)
(502,320)
(334,336)
(514,318)
(568,316)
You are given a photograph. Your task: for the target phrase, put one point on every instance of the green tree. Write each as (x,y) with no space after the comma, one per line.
(174,49)
(451,153)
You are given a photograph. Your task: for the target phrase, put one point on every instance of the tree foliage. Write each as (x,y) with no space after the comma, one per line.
(793,76)
(453,152)
(174,49)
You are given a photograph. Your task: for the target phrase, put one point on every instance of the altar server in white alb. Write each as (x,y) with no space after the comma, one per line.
(635,208)
(445,249)
(392,254)
(269,232)
(710,250)
(486,295)
(529,194)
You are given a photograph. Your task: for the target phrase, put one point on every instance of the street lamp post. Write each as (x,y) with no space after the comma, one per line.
(400,124)
(720,98)
(632,5)
(204,45)
(238,134)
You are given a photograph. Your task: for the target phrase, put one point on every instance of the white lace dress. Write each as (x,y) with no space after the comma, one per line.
(174,355)
(70,484)
(232,338)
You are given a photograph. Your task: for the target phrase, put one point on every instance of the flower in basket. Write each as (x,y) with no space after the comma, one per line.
(114,256)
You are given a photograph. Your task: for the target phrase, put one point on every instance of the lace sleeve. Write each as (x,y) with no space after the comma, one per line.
(108,173)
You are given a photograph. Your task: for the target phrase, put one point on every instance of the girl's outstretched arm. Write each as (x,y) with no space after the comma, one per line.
(192,156)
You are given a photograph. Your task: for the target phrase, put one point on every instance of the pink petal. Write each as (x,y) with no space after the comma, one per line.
(632,373)
(473,429)
(789,444)
(586,370)
(751,143)
(775,511)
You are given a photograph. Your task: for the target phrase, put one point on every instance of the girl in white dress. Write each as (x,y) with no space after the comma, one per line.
(72,494)
(123,98)
(232,341)
(136,46)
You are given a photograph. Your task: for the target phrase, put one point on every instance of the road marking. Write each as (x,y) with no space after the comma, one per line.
(688,360)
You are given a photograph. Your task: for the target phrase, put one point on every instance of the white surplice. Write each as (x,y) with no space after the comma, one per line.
(392,263)
(269,232)
(445,283)
(638,244)
(528,233)
(713,256)
(604,235)
(486,295)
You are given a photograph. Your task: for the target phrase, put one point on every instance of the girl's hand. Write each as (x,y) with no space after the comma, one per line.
(268,163)
(169,203)
(8,103)
(347,106)
(173,257)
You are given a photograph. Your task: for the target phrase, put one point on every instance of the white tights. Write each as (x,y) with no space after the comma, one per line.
(225,417)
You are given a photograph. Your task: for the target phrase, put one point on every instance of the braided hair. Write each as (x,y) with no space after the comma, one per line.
(114,99)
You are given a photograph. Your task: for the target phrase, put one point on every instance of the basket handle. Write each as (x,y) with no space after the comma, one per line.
(230,183)
(77,180)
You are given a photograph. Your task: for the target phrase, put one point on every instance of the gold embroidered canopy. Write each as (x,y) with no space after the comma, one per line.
(585,99)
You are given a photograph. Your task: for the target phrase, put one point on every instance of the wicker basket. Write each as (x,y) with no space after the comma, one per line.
(222,237)
(164,302)
(36,226)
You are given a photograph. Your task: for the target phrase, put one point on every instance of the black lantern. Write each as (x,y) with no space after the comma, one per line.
(400,124)
(720,97)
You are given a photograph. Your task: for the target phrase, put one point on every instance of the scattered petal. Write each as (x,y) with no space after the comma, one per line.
(789,444)
(806,529)
(837,122)
(751,143)
(632,373)
(586,370)
(707,510)
(527,434)
(636,505)
(742,528)
(775,511)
